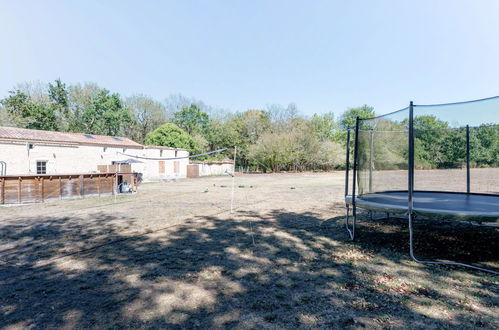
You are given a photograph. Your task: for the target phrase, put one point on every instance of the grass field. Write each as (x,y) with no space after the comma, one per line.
(173,256)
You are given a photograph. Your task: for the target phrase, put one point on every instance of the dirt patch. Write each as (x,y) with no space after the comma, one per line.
(174,256)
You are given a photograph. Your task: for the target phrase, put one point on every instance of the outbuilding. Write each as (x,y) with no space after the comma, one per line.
(32,152)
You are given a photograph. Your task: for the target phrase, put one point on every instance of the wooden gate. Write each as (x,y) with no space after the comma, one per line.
(193,171)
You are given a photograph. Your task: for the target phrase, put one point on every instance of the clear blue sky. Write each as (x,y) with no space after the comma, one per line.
(322,55)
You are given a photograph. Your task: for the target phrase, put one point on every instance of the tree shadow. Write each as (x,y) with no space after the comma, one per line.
(277,269)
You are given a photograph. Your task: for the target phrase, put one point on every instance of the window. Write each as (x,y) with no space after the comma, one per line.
(117,138)
(88,136)
(41,167)
(161,153)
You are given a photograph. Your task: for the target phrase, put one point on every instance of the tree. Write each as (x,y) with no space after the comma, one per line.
(191,119)
(4,117)
(349,117)
(148,114)
(106,115)
(27,114)
(484,145)
(347,120)
(170,135)
(59,98)
(429,136)
(280,117)
(273,151)
(329,156)
(176,102)
(253,123)
(291,150)
(324,126)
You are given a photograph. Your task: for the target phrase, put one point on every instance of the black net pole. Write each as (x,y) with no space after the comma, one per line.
(355,161)
(468,179)
(410,183)
(371,156)
(411,157)
(351,232)
(347,161)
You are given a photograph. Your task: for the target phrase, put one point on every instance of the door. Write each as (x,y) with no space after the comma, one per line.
(161,167)
(176,167)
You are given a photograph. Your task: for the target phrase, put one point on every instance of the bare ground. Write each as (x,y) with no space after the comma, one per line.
(173,256)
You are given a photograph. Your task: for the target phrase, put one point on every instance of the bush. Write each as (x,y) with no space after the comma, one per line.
(170,135)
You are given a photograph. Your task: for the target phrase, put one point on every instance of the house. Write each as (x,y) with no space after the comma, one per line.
(31,152)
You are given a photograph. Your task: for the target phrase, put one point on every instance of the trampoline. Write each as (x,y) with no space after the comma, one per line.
(432,162)
(480,208)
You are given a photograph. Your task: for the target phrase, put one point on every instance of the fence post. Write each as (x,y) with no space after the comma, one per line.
(60,188)
(98,183)
(42,183)
(81,186)
(19,188)
(3,190)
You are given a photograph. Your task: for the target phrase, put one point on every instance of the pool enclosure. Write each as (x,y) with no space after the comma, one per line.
(426,161)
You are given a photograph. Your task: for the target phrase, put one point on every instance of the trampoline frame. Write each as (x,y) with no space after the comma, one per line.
(410,192)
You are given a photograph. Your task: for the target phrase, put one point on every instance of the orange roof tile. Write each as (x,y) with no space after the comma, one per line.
(24,134)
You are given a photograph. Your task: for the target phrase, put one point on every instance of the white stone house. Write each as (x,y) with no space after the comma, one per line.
(28,152)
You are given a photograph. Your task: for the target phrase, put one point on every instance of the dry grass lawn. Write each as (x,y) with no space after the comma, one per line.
(173,256)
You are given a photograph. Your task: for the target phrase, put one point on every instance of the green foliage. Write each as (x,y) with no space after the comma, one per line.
(430,134)
(349,117)
(484,145)
(297,149)
(325,126)
(28,114)
(149,114)
(191,119)
(170,135)
(106,115)
(274,139)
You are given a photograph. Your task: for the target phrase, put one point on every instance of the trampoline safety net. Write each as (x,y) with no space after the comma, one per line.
(383,153)
(456,149)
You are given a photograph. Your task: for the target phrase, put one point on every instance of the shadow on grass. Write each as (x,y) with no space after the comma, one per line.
(301,271)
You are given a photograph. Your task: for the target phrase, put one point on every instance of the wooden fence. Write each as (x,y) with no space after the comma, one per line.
(48,187)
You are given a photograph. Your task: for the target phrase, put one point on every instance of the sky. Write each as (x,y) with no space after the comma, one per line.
(237,55)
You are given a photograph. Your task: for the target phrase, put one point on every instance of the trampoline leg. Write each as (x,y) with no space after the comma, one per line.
(411,252)
(387,216)
(351,232)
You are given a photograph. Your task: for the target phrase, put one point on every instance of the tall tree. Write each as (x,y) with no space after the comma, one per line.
(27,114)
(80,99)
(148,113)
(176,102)
(106,115)
(324,125)
(192,119)
(349,117)
(59,98)
(281,117)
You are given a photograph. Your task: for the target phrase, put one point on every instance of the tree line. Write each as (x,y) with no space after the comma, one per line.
(277,138)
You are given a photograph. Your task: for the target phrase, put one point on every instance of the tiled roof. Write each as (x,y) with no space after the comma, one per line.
(23,134)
